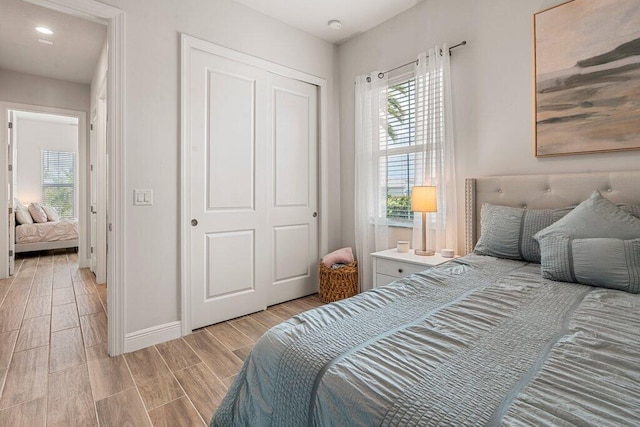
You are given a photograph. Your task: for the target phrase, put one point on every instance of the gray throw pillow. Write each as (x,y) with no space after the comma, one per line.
(596,244)
(603,262)
(508,232)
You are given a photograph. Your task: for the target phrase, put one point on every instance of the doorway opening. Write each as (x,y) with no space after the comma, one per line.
(46,182)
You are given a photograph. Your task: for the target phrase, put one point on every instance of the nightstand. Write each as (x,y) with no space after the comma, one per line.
(392,265)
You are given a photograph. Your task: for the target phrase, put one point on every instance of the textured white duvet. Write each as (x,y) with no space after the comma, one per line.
(66,229)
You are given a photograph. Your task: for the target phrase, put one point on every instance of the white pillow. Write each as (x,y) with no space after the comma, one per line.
(37,213)
(23,216)
(52,214)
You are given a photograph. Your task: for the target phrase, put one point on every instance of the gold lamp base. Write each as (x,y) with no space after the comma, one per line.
(425,253)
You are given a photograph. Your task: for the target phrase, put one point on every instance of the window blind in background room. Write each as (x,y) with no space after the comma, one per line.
(59,181)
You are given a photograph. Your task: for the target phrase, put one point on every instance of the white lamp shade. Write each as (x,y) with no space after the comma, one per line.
(423,199)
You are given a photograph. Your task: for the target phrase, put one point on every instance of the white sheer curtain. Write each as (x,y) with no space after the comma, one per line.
(370,185)
(435,164)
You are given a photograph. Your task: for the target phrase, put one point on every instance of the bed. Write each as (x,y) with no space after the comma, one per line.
(480,340)
(46,235)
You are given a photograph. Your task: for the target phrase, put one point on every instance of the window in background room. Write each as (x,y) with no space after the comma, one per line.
(59,181)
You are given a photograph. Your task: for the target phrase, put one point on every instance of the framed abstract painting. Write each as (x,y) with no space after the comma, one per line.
(587,77)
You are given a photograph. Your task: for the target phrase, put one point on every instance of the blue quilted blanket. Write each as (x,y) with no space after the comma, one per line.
(465,343)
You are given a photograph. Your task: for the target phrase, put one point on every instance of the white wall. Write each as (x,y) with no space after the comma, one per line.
(492,78)
(152,130)
(32,137)
(27,89)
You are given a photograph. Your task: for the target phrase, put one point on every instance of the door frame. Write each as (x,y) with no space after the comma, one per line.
(189,43)
(81,149)
(116,260)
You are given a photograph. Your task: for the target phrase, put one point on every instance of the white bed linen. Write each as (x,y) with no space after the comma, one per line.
(66,229)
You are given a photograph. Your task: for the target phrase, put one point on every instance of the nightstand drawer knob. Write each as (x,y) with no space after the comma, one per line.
(399,270)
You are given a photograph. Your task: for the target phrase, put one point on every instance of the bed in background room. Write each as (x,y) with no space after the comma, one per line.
(486,339)
(47,235)
(39,228)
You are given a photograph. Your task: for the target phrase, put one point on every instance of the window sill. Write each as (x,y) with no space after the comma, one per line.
(397,224)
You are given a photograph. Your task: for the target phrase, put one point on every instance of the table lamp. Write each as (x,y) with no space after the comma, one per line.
(423,199)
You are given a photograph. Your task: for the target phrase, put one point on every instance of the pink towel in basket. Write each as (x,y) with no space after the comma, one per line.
(340,256)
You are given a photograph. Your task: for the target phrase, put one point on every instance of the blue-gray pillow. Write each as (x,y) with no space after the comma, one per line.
(603,262)
(508,232)
(574,241)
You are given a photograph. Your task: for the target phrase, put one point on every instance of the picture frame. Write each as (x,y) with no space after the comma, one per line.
(587,77)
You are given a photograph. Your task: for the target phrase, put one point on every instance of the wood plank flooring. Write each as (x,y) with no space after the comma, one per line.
(55,370)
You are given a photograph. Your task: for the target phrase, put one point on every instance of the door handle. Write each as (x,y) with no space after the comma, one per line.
(315,214)
(194,222)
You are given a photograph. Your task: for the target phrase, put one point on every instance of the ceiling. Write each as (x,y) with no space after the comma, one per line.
(76,42)
(311,16)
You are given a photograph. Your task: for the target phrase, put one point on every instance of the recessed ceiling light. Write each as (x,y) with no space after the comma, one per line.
(49,42)
(44,30)
(335,24)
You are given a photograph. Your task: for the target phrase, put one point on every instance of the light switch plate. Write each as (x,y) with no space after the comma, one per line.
(142,197)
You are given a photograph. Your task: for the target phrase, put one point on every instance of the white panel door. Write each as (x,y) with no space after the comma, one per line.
(292,191)
(229,267)
(93,185)
(11,173)
(99,185)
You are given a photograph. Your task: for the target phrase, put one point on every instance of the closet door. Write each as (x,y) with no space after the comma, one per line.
(292,190)
(229,265)
(251,197)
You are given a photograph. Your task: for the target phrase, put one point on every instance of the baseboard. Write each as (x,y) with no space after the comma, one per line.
(155,335)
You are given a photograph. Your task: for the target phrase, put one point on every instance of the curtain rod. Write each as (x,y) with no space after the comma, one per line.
(382,73)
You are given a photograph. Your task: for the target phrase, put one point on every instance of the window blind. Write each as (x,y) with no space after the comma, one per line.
(397,161)
(59,181)
(401,159)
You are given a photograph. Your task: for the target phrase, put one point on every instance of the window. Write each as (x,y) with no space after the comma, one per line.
(397,155)
(59,181)
(400,154)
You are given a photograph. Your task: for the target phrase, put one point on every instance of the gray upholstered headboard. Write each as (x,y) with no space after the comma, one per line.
(543,191)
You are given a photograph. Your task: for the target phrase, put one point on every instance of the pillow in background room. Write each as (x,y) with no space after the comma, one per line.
(632,209)
(52,214)
(23,216)
(595,244)
(37,213)
(507,232)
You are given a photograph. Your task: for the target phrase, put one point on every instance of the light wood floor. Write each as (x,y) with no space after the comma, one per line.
(54,367)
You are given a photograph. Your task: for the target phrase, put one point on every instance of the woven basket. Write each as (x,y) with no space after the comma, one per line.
(339,283)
